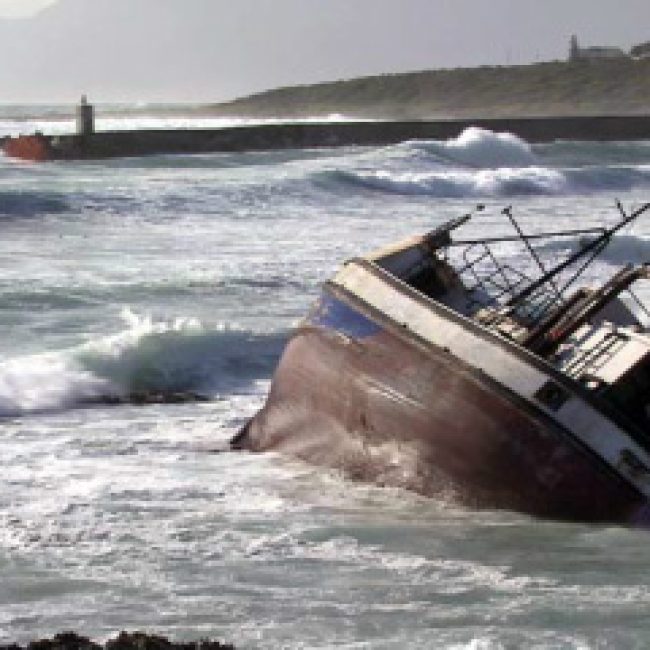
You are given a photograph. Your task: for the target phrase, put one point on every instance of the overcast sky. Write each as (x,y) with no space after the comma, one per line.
(619,21)
(251,45)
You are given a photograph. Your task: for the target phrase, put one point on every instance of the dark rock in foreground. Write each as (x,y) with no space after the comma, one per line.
(125,641)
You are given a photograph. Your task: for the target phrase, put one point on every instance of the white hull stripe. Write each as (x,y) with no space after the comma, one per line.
(586,423)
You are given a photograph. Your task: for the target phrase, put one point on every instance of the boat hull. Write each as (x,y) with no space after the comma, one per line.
(353,393)
(33,148)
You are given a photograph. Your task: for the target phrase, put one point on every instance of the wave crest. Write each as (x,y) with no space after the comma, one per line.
(147,357)
(454,183)
(479,148)
(502,182)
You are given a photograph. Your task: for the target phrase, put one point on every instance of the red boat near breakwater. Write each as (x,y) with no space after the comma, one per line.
(437,366)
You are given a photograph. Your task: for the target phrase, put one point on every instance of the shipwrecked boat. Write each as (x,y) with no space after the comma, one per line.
(437,366)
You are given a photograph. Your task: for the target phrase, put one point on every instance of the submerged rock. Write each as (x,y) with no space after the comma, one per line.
(141,641)
(125,641)
(152,397)
(146,398)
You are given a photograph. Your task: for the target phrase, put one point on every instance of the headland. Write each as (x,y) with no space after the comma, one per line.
(576,88)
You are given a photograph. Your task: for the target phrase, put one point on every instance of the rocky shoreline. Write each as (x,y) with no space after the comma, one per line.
(124,641)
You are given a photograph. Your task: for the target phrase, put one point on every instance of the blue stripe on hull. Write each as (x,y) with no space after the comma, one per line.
(331,313)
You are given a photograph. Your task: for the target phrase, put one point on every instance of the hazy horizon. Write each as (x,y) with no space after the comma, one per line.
(200,51)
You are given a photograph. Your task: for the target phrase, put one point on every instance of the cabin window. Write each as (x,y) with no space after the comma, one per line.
(427,281)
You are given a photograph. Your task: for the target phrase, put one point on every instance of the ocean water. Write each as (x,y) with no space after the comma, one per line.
(187,274)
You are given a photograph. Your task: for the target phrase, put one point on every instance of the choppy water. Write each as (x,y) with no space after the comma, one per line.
(187,273)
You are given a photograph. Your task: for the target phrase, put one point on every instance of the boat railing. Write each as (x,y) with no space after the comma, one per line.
(535,301)
(640,304)
(491,282)
(537,306)
(482,272)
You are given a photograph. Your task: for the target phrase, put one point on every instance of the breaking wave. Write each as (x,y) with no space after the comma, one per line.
(500,182)
(454,183)
(480,163)
(147,357)
(480,148)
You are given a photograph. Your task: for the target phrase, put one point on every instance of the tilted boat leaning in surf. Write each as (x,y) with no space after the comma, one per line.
(438,366)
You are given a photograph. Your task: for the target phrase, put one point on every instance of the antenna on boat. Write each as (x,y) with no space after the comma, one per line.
(508,212)
(593,247)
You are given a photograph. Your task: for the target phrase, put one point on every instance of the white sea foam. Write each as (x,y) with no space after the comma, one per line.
(499,182)
(459,183)
(45,382)
(480,163)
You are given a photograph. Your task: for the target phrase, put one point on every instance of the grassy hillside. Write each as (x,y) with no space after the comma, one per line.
(556,88)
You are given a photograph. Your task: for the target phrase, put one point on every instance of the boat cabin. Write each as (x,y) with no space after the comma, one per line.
(595,337)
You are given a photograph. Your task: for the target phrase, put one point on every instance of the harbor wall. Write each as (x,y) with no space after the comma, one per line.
(311,135)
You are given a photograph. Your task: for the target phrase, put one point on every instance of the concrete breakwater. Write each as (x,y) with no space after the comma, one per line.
(114,144)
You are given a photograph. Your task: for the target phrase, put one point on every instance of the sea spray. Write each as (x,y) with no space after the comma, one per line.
(459,183)
(46,382)
(481,148)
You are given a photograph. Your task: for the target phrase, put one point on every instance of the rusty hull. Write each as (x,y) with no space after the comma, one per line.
(371,400)
(32,148)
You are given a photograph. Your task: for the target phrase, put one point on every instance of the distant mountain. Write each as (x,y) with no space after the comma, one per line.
(203,50)
(607,87)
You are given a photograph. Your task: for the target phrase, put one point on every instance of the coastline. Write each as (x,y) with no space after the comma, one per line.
(266,137)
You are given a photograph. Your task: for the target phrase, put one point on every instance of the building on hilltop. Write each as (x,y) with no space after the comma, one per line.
(641,51)
(577,53)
